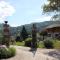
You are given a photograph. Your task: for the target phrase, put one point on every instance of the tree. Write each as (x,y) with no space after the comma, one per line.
(18,38)
(43,33)
(24,33)
(53,5)
(55,17)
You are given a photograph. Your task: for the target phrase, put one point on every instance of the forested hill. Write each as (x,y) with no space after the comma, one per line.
(39,25)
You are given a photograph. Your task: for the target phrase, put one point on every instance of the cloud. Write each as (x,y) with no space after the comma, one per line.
(14,25)
(5,10)
(42,18)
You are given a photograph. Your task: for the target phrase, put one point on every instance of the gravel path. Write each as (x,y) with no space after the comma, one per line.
(24,53)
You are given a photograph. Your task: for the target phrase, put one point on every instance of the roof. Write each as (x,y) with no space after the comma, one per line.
(50,26)
(53,25)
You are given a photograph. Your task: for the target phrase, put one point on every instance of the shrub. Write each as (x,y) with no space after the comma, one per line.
(7,52)
(18,39)
(41,44)
(48,44)
(28,42)
(56,44)
(12,51)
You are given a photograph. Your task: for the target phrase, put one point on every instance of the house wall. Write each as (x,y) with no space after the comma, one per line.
(53,32)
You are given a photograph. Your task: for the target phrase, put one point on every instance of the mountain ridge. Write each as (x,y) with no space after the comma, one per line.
(40,26)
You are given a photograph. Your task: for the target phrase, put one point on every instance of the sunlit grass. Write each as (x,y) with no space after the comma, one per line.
(41,44)
(56,44)
(20,43)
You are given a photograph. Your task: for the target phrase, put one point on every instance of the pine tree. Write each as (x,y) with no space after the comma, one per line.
(24,33)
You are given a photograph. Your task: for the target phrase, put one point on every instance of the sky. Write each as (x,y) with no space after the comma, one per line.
(20,12)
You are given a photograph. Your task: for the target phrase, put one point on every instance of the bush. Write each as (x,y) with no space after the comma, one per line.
(41,44)
(48,44)
(28,42)
(56,44)
(12,51)
(7,52)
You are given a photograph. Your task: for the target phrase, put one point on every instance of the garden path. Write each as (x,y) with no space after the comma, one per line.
(24,53)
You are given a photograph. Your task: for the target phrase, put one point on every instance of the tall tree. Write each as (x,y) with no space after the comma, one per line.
(24,33)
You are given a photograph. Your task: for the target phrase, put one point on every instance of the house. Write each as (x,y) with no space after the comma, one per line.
(53,30)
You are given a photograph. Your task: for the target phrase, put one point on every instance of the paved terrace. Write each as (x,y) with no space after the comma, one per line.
(24,53)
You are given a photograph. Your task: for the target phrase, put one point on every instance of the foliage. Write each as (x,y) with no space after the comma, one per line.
(6,41)
(53,5)
(48,44)
(41,44)
(24,33)
(12,51)
(20,43)
(28,42)
(18,38)
(7,52)
(56,17)
(56,44)
(43,34)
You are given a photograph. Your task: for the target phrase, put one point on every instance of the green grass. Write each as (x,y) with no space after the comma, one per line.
(20,43)
(56,44)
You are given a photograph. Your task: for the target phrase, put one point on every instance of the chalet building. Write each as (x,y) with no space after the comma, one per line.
(53,30)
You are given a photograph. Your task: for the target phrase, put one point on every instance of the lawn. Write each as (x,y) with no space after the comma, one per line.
(20,43)
(41,44)
(56,44)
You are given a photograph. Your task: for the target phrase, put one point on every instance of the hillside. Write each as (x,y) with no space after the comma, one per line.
(40,26)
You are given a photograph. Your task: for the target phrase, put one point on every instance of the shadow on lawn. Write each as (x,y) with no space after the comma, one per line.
(55,54)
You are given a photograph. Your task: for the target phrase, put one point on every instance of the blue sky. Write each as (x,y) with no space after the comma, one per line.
(26,12)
